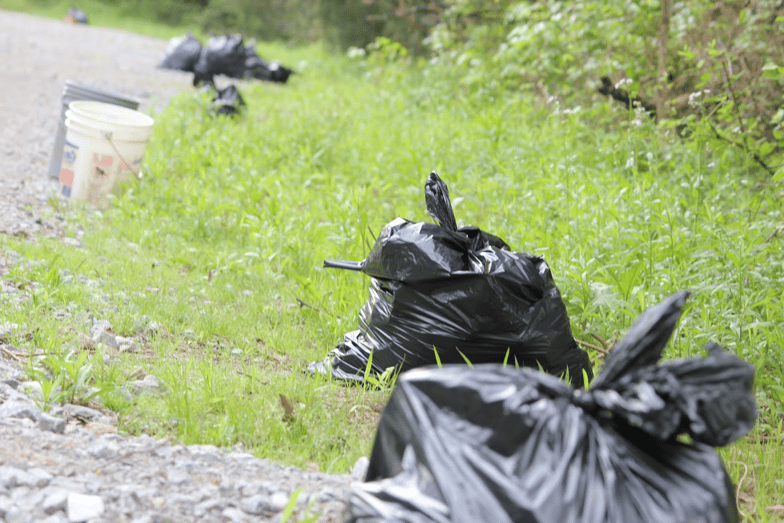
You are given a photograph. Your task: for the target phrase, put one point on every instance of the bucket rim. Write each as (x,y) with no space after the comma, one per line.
(94,129)
(109,114)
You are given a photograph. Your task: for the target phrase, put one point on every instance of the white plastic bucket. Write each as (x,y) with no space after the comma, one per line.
(104,146)
(73,92)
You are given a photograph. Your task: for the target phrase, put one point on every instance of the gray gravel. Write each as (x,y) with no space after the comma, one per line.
(69,464)
(38,56)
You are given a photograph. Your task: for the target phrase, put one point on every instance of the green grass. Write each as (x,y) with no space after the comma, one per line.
(222,246)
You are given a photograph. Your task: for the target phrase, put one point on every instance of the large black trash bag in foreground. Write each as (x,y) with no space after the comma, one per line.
(460,291)
(500,444)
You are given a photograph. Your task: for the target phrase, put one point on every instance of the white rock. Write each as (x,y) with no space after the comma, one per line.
(82,507)
(278,501)
(177,476)
(18,515)
(149,384)
(56,501)
(126,344)
(102,333)
(103,449)
(82,411)
(19,409)
(100,326)
(360,469)
(51,423)
(255,504)
(35,477)
(5,505)
(234,514)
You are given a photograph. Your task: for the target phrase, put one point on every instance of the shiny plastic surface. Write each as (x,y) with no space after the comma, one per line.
(460,292)
(499,444)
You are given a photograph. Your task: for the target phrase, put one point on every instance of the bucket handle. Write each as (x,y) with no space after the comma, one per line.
(108,136)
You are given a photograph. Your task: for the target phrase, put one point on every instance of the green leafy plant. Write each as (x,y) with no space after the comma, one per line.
(65,378)
(51,393)
(386,380)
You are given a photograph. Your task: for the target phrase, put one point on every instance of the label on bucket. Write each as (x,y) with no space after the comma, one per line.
(103,177)
(67,167)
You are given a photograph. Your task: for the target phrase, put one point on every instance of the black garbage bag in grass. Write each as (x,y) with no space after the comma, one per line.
(259,69)
(228,101)
(495,443)
(223,55)
(458,291)
(182,53)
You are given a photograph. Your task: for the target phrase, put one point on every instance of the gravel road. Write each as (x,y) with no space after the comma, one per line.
(38,56)
(70,465)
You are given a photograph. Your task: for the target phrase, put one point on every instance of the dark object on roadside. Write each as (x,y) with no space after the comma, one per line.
(222,55)
(460,292)
(182,53)
(257,68)
(608,89)
(500,444)
(227,56)
(228,101)
(76,16)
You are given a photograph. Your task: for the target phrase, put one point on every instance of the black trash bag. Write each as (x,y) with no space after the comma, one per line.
(500,444)
(257,68)
(182,53)
(228,101)
(459,291)
(223,55)
(76,16)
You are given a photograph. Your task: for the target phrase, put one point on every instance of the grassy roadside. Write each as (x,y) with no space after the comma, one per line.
(222,244)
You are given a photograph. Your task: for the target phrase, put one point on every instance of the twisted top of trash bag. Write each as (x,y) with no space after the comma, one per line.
(710,398)
(418,251)
(438,204)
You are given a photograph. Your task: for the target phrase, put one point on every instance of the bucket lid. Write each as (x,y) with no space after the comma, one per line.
(109,114)
(77,96)
(88,93)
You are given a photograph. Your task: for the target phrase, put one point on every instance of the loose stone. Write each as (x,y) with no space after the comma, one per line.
(81,507)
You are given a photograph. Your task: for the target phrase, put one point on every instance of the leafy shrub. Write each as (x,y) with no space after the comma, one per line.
(717,65)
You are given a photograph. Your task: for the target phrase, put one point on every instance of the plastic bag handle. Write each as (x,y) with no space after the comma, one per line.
(350,265)
(438,204)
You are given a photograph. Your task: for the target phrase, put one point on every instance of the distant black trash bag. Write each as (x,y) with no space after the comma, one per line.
(222,55)
(228,101)
(257,68)
(500,444)
(182,53)
(460,291)
(76,16)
